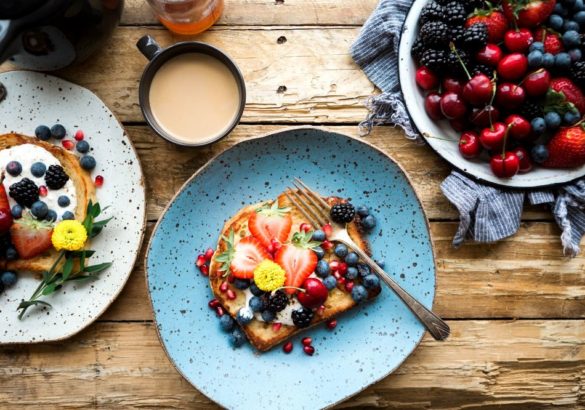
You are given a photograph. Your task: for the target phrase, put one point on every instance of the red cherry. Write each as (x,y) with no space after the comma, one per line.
(426,79)
(510,96)
(459,124)
(479,90)
(518,40)
(287,347)
(490,55)
(483,117)
(537,83)
(524,157)
(506,165)
(79,135)
(469,145)
(99,181)
(452,106)
(315,293)
(493,138)
(453,85)
(520,127)
(433,106)
(513,66)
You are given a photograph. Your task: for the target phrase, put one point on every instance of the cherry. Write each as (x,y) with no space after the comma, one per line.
(490,55)
(537,83)
(510,96)
(426,79)
(493,138)
(524,157)
(469,145)
(453,85)
(513,66)
(505,165)
(520,128)
(314,295)
(479,90)
(484,117)
(459,124)
(433,106)
(518,40)
(452,106)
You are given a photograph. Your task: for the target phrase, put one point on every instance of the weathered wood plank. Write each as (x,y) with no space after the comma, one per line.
(271,12)
(504,364)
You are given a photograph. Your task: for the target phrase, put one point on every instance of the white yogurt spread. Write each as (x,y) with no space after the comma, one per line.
(26,155)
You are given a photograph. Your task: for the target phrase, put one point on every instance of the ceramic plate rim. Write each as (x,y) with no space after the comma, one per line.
(270,135)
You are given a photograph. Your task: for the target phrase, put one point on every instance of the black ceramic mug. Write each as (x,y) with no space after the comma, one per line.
(158,57)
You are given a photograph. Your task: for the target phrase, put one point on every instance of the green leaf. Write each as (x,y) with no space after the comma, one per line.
(67,268)
(27,303)
(98,268)
(50,288)
(102,223)
(78,254)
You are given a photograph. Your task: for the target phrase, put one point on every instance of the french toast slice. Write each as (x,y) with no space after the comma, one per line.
(84,187)
(264,336)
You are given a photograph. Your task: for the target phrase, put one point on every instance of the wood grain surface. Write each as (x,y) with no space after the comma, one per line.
(516,308)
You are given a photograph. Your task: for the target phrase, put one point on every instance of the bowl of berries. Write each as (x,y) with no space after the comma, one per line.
(497,88)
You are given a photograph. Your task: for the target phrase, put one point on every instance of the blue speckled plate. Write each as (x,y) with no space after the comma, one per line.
(369,342)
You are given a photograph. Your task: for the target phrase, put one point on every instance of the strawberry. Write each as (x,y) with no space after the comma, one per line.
(242,258)
(269,223)
(495,21)
(551,40)
(572,93)
(5,212)
(297,259)
(567,148)
(30,236)
(528,13)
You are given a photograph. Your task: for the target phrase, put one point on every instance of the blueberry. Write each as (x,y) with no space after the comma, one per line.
(563,60)
(14,168)
(241,284)
(67,216)
(560,10)
(256,303)
(256,291)
(579,17)
(227,323)
(319,251)
(341,250)
(359,293)
(245,315)
(16,211)
(579,6)
(371,281)
(38,169)
(553,120)
(556,22)
(535,58)
(539,153)
(548,60)
(575,54)
(58,131)
(363,269)
(268,315)
(351,259)
(43,132)
(536,46)
(8,278)
(318,236)
(11,254)
(571,38)
(351,273)
(51,216)
(571,117)
(237,337)
(82,146)
(39,209)
(568,3)
(369,222)
(87,162)
(538,125)
(571,26)
(362,210)
(380,263)
(322,269)
(330,282)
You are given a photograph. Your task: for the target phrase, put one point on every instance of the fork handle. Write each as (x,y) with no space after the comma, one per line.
(433,323)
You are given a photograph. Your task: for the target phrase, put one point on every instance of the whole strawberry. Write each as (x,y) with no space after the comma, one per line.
(528,13)
(551,40)
(572,93)
(567,148)
(495,21)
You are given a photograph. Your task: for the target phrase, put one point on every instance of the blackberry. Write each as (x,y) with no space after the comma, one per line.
(434,33)
(302,317)
(471,5)
(342,213)
(25,192)
(455,14)
(454,60)
(482,69)
(435,60)
(475,37)
(55,177)
(417,49)
(456,35)
(578,72)
(530,110)
(431,12)
(277,301)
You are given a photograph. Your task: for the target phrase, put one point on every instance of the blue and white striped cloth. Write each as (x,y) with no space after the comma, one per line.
(487,214)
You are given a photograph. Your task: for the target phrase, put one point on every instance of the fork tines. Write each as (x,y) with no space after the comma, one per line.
(309,203)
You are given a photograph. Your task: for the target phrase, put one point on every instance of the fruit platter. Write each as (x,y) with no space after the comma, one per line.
(497,88)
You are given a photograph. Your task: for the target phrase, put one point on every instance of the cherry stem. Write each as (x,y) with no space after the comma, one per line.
(454,49)
(540,70)
(506,140)
(291,287)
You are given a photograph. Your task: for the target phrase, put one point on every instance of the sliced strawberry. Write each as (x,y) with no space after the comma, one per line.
(248,253)
(269,223)
(297,259)
(31,237)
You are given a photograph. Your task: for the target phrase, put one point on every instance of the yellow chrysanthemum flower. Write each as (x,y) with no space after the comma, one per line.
(269,276)
(69,235)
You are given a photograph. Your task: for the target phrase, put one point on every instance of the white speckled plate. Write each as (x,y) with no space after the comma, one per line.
(34,99)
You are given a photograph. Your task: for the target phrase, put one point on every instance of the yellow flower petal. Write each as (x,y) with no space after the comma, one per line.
(269,276)
(69,235)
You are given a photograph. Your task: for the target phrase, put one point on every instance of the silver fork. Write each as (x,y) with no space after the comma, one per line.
(316,210)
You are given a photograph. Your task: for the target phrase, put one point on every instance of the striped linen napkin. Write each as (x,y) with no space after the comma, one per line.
(487,214)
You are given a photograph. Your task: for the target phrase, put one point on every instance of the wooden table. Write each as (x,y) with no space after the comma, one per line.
(516,308)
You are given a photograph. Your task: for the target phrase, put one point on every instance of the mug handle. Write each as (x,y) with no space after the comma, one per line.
(148,46)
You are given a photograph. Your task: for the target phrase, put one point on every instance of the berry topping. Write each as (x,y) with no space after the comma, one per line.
(43,191)
(359,293)
(309,350)
(67,216)
(245,315)
(14,168)
(39,209)
(297,259)
(31,237)
(68,144)
(79,135)
(87,162)
(43,132)
(6,214)
(55,177)
(8,278)
(82,147)
(63,201)
(226,323)
(38,169)
(25,192)
(256,303)
(322,269)
(287,347)
(99,181)
(314,295)
(241,284)
(268,315)
(330,282)
(242,258)
(58,131)
(16,211)
(342,213)
(277,301)
(302,317)
(270,222)
(237,338)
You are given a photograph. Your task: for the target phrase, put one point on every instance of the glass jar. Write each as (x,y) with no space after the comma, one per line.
(187,16)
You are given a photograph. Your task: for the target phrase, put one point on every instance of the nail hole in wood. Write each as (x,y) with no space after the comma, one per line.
(281,40)
(281,89)
(278,2)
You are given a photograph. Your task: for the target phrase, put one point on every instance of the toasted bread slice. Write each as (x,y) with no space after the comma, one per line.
(84,188)
(263,336)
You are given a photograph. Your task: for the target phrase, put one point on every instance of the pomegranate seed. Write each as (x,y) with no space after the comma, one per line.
(287,347)
(320,309)
(340,281)
(213,303)
(305,227)
(231,295)
(79,135)
(337,275)
(231,279)
(270,248)
(276,326)
(43,190)
(208,254)
(275,244)
(223,287)
(349,285)
(307,341)
(327,245)
(204,270)
(309,350)
(342,268)
(200,261)
(334,265)
(331,324)
(327,229)
(219,311)
(68,144)
(99,181)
